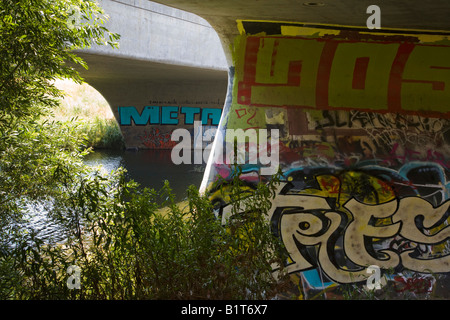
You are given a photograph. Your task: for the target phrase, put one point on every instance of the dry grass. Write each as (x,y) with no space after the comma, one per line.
(82,101)
(91,111)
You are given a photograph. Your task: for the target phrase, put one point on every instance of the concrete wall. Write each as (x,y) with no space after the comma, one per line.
(154,32)
(364,134)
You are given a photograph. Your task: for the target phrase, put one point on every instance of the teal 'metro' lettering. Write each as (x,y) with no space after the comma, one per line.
(168,115)
(149,115)
(189,114)
(213,114)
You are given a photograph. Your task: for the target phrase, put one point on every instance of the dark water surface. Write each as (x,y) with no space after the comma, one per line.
(147,167)
(150,168)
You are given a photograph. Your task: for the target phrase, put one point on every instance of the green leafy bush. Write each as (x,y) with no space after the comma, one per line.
(56,213)
(129,247)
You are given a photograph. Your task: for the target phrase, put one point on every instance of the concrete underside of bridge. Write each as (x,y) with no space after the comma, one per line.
(403,14)
(134,84)
(169,71)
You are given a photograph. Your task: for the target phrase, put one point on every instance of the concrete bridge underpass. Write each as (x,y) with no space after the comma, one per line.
(170,69)
(354,93)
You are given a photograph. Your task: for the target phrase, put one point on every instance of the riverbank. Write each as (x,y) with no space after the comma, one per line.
(86,108)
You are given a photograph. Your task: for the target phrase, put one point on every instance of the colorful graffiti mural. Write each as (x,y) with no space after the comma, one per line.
(372,215)
(364,129)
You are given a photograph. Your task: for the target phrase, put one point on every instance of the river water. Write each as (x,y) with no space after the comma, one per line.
(150,168)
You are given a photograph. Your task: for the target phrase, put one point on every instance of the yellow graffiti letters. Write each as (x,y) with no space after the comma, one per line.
(360,228)
(420,219)
(413,211)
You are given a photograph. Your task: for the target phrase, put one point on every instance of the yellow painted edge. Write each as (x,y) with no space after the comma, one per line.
(292,30)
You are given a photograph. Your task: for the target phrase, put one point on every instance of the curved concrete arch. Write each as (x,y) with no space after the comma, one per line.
(160,34)
(167,58)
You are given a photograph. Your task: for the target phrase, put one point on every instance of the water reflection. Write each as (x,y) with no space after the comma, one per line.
(150,168)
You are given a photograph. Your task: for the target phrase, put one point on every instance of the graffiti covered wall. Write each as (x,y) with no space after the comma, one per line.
(364,129)
(155,124)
